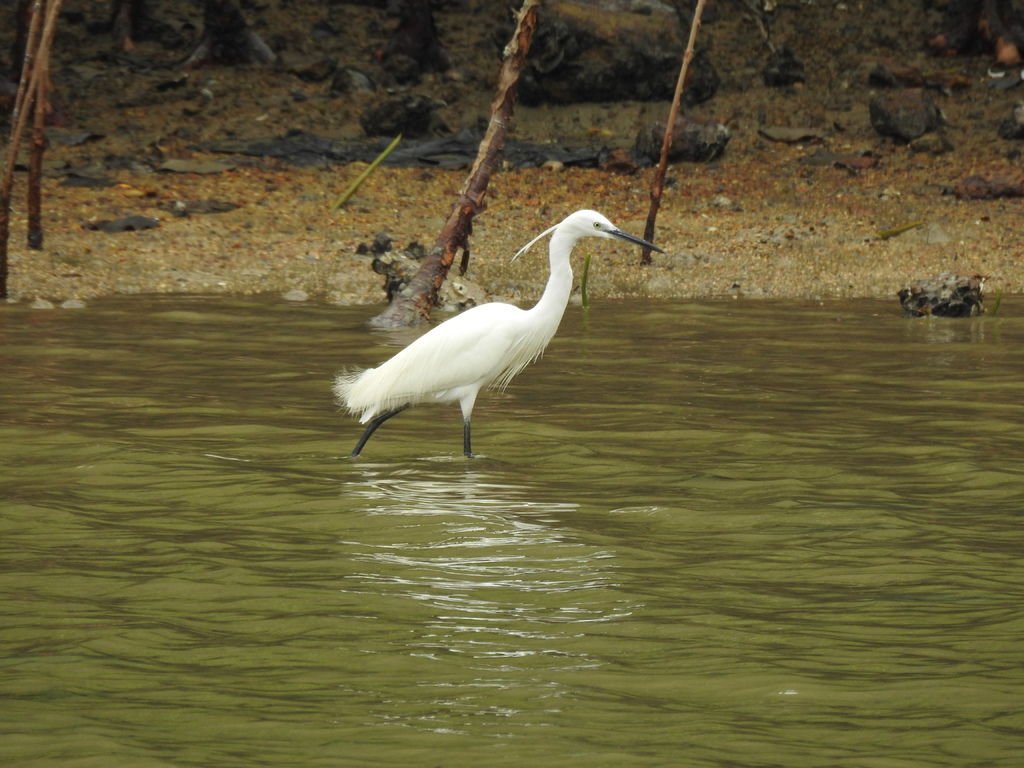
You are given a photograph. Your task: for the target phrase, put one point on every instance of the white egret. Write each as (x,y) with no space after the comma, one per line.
(484,346)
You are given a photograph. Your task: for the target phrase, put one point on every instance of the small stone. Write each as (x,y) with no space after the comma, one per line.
(904,115)
(41,304)
(348,80)
(296,294)
(73,304)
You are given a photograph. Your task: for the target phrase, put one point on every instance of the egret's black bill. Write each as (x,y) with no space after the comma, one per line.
(633,239)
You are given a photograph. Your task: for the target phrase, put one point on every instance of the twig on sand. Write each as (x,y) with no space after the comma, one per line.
(366,173)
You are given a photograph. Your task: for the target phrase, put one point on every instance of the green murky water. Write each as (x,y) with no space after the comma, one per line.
(707,534)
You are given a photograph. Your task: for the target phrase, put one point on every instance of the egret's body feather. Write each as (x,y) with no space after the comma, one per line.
(485,346)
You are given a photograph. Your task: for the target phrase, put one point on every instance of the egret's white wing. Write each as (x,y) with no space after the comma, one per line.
(471,349)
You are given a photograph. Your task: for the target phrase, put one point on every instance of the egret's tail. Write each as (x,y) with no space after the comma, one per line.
(351,396)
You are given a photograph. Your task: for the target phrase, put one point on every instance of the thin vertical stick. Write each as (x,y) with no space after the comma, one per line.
(40,36)
(658,182)
(19,117)
(35,158)
(35,167)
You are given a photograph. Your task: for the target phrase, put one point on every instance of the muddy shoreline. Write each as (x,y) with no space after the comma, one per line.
(770,218)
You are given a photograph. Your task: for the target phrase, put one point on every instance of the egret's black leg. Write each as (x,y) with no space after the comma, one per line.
(374,425)
(466,449)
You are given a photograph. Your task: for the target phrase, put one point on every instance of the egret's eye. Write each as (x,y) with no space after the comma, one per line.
(597,225)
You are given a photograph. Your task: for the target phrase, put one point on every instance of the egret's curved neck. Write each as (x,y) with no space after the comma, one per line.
(556,293)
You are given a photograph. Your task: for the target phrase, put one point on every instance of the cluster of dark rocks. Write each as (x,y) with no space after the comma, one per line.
(945,295)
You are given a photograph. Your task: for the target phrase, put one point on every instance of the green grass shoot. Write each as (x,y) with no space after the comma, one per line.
(584,291)
(995,305)
(366,173)
(885,234)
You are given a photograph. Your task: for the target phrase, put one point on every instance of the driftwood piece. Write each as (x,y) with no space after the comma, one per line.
(658,181)
(414,303)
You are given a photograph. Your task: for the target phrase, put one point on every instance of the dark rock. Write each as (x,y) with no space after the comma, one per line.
(409,115)
(946,295)
(1013,126)
(783,68)
(80,178)
(397,267)
(904,114)
(692,140)
(590,50)
(382,243)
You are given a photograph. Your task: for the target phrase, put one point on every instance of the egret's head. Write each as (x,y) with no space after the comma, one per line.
(588,223)
(593,224)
